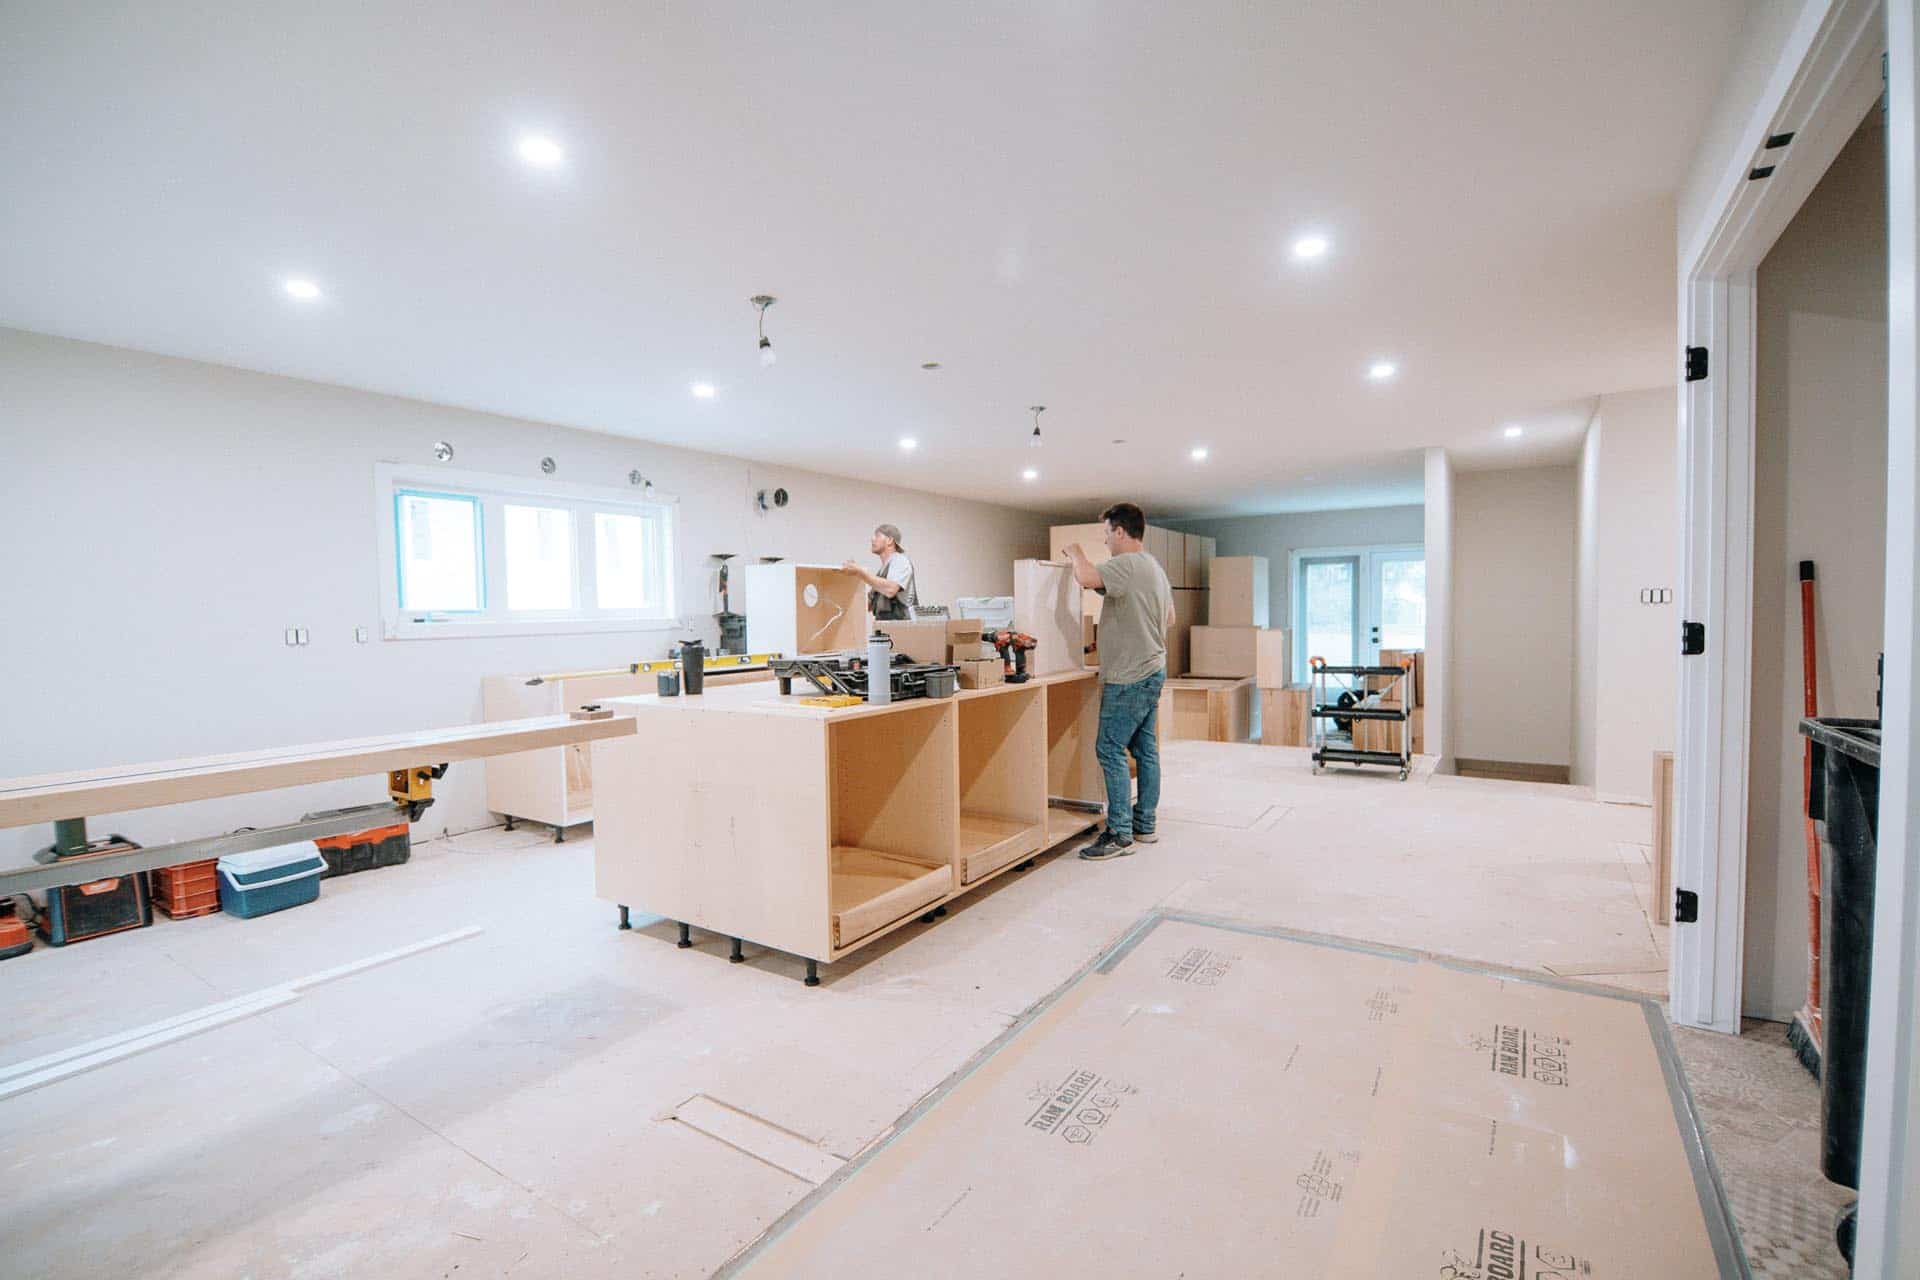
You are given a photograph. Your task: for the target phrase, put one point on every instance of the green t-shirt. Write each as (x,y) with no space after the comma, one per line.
(1133,622)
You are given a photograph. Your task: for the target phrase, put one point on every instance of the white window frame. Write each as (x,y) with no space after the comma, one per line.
(494,493)
(1365,607)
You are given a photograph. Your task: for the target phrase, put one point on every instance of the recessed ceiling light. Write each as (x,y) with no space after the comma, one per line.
(909,444)
(1198,453)
(703,390)
(1381,370)
(1030,474)
(1514,432)
(1310,247)
(1119,441)
(305,290)
(930,365)
(540,151)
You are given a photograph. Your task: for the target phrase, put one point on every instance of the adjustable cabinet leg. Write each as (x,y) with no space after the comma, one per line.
(685,941)
(734,956)
(625,923)
(509,822)
(559,835)
(1025,866)
(813,973)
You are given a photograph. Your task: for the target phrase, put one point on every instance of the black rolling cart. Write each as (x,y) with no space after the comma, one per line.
(1360,715)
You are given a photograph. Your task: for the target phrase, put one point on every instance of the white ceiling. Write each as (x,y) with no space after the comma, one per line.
(1077,204)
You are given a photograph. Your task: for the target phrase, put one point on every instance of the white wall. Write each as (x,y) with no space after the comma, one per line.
(1513,568)
(1627,653)
(1438,677)
(164,521)
(1820,465)
(1277,536)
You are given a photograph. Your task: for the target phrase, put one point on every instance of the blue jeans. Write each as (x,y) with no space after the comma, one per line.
(1129,715)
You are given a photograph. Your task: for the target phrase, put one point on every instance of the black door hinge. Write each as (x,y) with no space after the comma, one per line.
(1696,364)
(1686,906)
(1693,639)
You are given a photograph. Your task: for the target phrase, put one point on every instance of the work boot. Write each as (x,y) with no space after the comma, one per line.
(1107,846)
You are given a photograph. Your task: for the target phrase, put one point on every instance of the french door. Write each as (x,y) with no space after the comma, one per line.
(1351,602)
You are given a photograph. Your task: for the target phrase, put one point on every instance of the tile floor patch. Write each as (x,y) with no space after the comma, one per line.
(768,1143)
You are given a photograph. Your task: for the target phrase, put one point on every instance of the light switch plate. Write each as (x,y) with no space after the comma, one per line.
(301,633)
(360,634)
(293,636)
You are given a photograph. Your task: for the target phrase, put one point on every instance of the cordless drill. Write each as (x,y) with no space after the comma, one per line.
(1012,646)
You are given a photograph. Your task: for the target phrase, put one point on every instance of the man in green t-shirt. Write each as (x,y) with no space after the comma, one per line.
(1133,667)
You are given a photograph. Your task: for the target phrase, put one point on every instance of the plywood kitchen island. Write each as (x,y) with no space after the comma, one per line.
(816,830)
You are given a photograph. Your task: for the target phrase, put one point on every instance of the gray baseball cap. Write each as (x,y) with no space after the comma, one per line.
(892,531)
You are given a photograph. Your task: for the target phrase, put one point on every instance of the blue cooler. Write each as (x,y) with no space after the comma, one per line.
(266,880)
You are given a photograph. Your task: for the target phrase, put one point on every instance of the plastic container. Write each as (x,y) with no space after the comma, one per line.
(693,666)
(387,846)
(1845,801)
(941,684)
(190,889)
(269,880)
(879,669)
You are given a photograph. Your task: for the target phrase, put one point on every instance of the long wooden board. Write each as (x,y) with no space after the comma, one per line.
(50,796)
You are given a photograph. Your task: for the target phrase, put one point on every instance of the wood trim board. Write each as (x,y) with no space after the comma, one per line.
(48,797)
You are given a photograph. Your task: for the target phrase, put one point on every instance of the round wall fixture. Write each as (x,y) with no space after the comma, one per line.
(549,466)
(442,451)
(811,595)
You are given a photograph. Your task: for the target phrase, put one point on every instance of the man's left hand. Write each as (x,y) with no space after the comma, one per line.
(849,566)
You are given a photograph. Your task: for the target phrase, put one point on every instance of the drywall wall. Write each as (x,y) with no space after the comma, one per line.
(1626,663)
(1512,615)
(165,521)
(1586,609)
(1439,531)
(1277,536)
(1820,465)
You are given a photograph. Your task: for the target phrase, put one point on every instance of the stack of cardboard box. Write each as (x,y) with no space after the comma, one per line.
(1236,640)
(1384,735)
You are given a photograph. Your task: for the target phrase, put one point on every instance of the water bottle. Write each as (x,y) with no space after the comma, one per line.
(880,669)
(693,665)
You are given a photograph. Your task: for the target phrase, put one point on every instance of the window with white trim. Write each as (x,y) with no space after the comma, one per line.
(464,553)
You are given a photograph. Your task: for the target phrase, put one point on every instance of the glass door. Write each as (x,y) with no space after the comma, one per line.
(1350,603)
(1328,611)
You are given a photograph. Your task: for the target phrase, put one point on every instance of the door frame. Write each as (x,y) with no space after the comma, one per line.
(1827,78)
(1364,553)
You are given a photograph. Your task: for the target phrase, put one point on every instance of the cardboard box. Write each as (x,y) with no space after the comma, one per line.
(1273,658)
(924,640)
(1238,585)
(1415,683)
(981,673)
(1222,651)
(1207,710)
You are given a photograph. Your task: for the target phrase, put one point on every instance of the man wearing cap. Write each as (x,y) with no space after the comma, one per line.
(891,596)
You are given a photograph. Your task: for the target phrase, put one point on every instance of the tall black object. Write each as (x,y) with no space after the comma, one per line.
(1845,799)
(693,665)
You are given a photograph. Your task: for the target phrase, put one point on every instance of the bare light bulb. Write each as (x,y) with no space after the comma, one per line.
(767,357)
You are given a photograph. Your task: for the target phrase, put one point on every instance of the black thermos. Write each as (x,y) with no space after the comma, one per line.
(693,665)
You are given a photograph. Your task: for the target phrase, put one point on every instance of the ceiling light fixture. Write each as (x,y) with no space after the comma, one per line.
(703,390)
(1381,370)
(1198,453)
(1514,432)
(304,290)
(930,365)
(1030,474)
(762,301)
(541,152)
(909,444)
(1033,441)
(1306,248)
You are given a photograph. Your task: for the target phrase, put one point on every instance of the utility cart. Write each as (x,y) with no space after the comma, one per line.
(1362,715)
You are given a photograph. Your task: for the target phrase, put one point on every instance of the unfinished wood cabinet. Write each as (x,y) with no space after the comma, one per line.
(1092,540)
(1076,789)
(1003,780)
(555,786)
(1192,707)
(1046,605)
(1189,611)
(1662,854)
(817,830)
(1283,716)
(1207,548)
(797,609)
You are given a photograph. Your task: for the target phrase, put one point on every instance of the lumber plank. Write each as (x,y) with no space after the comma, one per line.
(50,796)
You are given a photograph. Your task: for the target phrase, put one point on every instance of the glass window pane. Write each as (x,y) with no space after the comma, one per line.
(1403,604)
(625,554)
(1329,587)
(539,558)
(437,538)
